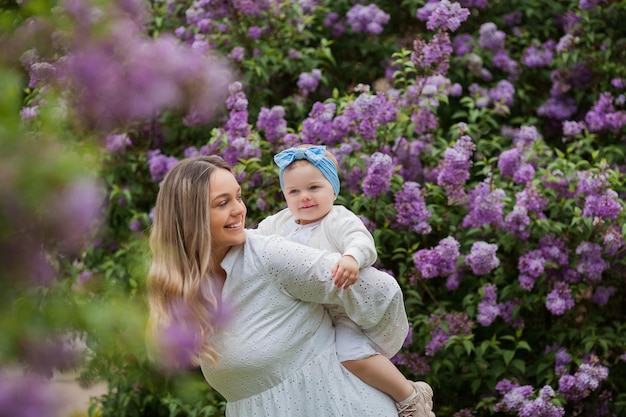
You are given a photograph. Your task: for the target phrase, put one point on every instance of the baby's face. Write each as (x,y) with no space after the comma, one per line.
(308,193)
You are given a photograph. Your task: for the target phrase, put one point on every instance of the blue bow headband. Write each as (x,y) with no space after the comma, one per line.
(315,155)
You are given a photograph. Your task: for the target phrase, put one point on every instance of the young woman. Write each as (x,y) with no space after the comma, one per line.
(266,343)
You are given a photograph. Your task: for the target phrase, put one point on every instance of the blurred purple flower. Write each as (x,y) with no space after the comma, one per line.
(447,15)
(308,82)
(586,380)
(27,396)
(590,264)
(118,143)
(602,294)
(433,55)
(160,164)
(490,37)
(444,325)
(368,19)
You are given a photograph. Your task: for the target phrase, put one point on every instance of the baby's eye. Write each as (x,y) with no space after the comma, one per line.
(293,191)
(315,187)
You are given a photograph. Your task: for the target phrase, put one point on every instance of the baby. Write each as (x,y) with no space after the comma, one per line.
(310,183)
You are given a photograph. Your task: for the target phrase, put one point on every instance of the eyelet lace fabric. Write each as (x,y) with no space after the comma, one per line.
(277,350)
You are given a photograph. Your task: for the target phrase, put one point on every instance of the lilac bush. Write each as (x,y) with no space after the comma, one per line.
(481,142)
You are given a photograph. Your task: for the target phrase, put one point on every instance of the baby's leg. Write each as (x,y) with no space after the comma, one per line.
(382,374)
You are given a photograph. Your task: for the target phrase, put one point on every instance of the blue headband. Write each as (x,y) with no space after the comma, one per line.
(315,155)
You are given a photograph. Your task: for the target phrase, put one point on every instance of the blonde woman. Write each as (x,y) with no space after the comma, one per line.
(273,352)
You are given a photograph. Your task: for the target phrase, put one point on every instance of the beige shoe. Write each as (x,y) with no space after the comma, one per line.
(421,405)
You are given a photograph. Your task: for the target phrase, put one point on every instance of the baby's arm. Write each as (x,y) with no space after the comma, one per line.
(356,243)
(346,271)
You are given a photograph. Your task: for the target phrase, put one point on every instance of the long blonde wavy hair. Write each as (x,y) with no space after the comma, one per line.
(182,259)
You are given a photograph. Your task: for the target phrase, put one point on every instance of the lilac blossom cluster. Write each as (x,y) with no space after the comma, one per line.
(308,81)
(445,325)
(378,177)
(453,171)
(482,258)
(367,19)
(586,380)
(447,15)
(438,261)
(484,206)
(124,78)
(488,309)
(411,209)
(518,399)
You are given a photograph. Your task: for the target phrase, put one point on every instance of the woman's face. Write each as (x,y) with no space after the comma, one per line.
(227,210)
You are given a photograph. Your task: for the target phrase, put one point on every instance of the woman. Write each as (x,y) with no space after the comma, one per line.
(266,341)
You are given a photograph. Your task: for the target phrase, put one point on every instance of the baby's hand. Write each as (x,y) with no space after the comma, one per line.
(346,271)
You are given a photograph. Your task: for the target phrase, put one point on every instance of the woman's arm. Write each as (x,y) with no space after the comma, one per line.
(375,302)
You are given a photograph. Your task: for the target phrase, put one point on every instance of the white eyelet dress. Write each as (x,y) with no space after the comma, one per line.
(277,350)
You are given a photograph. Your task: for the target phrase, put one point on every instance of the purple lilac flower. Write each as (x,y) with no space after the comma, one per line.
(240,148)
(504,93)
(586,380)
(379,173)
(542,406)
(454,280)
(526,136)
(532,263)
(27,396)
(453,171)
(237,54)
(531,199)
(407,156)
(434,55)
(447,15)
(484,206)
(272,122)
(490,37)
(602,294)
(411,209)
(559,300)
(118,143)
(538,56)
(507,310)
(444,325)
(160,164)
(517,221)
(254,32)
(413,362)
(438,261)
(559,108)
(605,206)
(423,120)
(514,396)
(367,19)
(319,125)
(237,102)
(308,82)
(588,4)
(503,61)
(29,113)
(462,44)
(612,240)
(126,77)
(424,12)
(561,360)
(509,161)
(480,95)
(573,128)
(590,263)
(524,174)
(554,251)
(488,309)
(482,258)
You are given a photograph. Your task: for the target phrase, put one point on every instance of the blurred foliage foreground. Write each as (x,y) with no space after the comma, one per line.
(482,142)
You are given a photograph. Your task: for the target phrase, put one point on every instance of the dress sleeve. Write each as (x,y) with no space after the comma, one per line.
(374,302)
(351,235)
